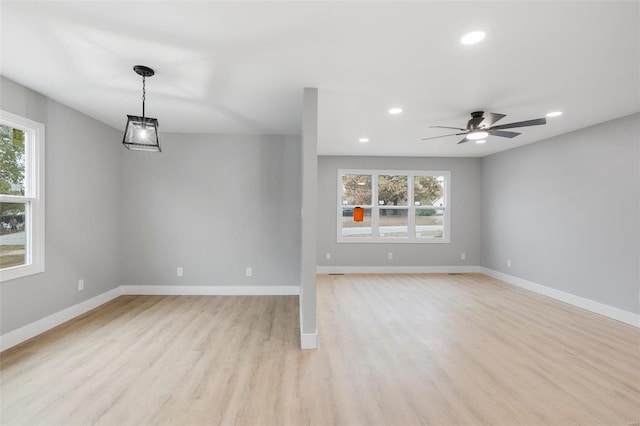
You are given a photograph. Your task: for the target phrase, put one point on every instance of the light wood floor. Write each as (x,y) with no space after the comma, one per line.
(394,350)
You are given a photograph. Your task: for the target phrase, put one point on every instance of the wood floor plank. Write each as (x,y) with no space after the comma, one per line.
(403,349)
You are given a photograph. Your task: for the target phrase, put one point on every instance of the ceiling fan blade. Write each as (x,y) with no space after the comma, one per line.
(504,134)
(446,127)
(492,118)
(444,136)
(526,123)
(463,141)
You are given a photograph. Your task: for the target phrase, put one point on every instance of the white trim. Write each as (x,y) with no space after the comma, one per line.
(581,302)
(309,340)
(375,207)
(33,198)
(213,290)
(22,334)
(397,269)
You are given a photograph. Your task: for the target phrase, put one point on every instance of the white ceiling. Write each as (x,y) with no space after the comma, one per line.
(239,67)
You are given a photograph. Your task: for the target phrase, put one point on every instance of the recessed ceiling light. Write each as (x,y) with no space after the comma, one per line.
(473,37)
(474,136)
(554,114)
(363,140)
(481,141)
(395,110)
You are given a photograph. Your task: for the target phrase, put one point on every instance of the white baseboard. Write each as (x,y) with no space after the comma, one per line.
(28,331)
(397,269)
(309,340)
(214,290)
(581,302)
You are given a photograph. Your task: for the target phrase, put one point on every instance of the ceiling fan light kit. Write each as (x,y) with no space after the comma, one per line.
(481,125)
(477,135)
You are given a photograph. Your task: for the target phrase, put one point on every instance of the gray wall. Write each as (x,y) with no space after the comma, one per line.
(82,184)
(465,217)
(214,205)
(566,212)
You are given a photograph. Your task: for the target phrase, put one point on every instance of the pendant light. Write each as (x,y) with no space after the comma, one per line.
(141,133)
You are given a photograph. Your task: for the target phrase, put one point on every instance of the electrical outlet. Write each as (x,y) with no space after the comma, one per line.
(249,272)
(508,263)
(179,271)
(80,285)
(390,255)
(328,256)
(463,256)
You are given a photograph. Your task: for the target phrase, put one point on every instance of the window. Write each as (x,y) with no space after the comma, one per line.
(399,206)
(21,196)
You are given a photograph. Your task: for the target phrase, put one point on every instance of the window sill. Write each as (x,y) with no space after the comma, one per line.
(20,272)
(392,241)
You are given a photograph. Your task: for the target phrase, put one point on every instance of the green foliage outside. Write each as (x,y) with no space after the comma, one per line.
(12,255)
(426,212)
(426,189)
(11,159)
(11,209)
(357,189)
(392,190)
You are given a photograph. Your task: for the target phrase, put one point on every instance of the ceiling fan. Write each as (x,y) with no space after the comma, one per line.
(480,126)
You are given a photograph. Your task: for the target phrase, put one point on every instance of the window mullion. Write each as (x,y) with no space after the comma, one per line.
(411,223)
(339,207)
(375,209)
(16,199)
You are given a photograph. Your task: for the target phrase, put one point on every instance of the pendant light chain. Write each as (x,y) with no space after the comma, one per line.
(143,93)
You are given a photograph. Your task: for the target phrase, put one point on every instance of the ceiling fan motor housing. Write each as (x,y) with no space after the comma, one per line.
(476,119)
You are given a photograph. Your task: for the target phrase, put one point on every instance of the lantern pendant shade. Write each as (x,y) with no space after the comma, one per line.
(358,214)
(141,134)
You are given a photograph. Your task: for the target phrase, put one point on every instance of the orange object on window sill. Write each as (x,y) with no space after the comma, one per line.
(358,214)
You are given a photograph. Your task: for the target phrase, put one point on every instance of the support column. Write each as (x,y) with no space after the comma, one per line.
(308,297)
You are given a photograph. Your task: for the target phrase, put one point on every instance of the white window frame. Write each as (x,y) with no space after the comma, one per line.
(33,196)
(375,207)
